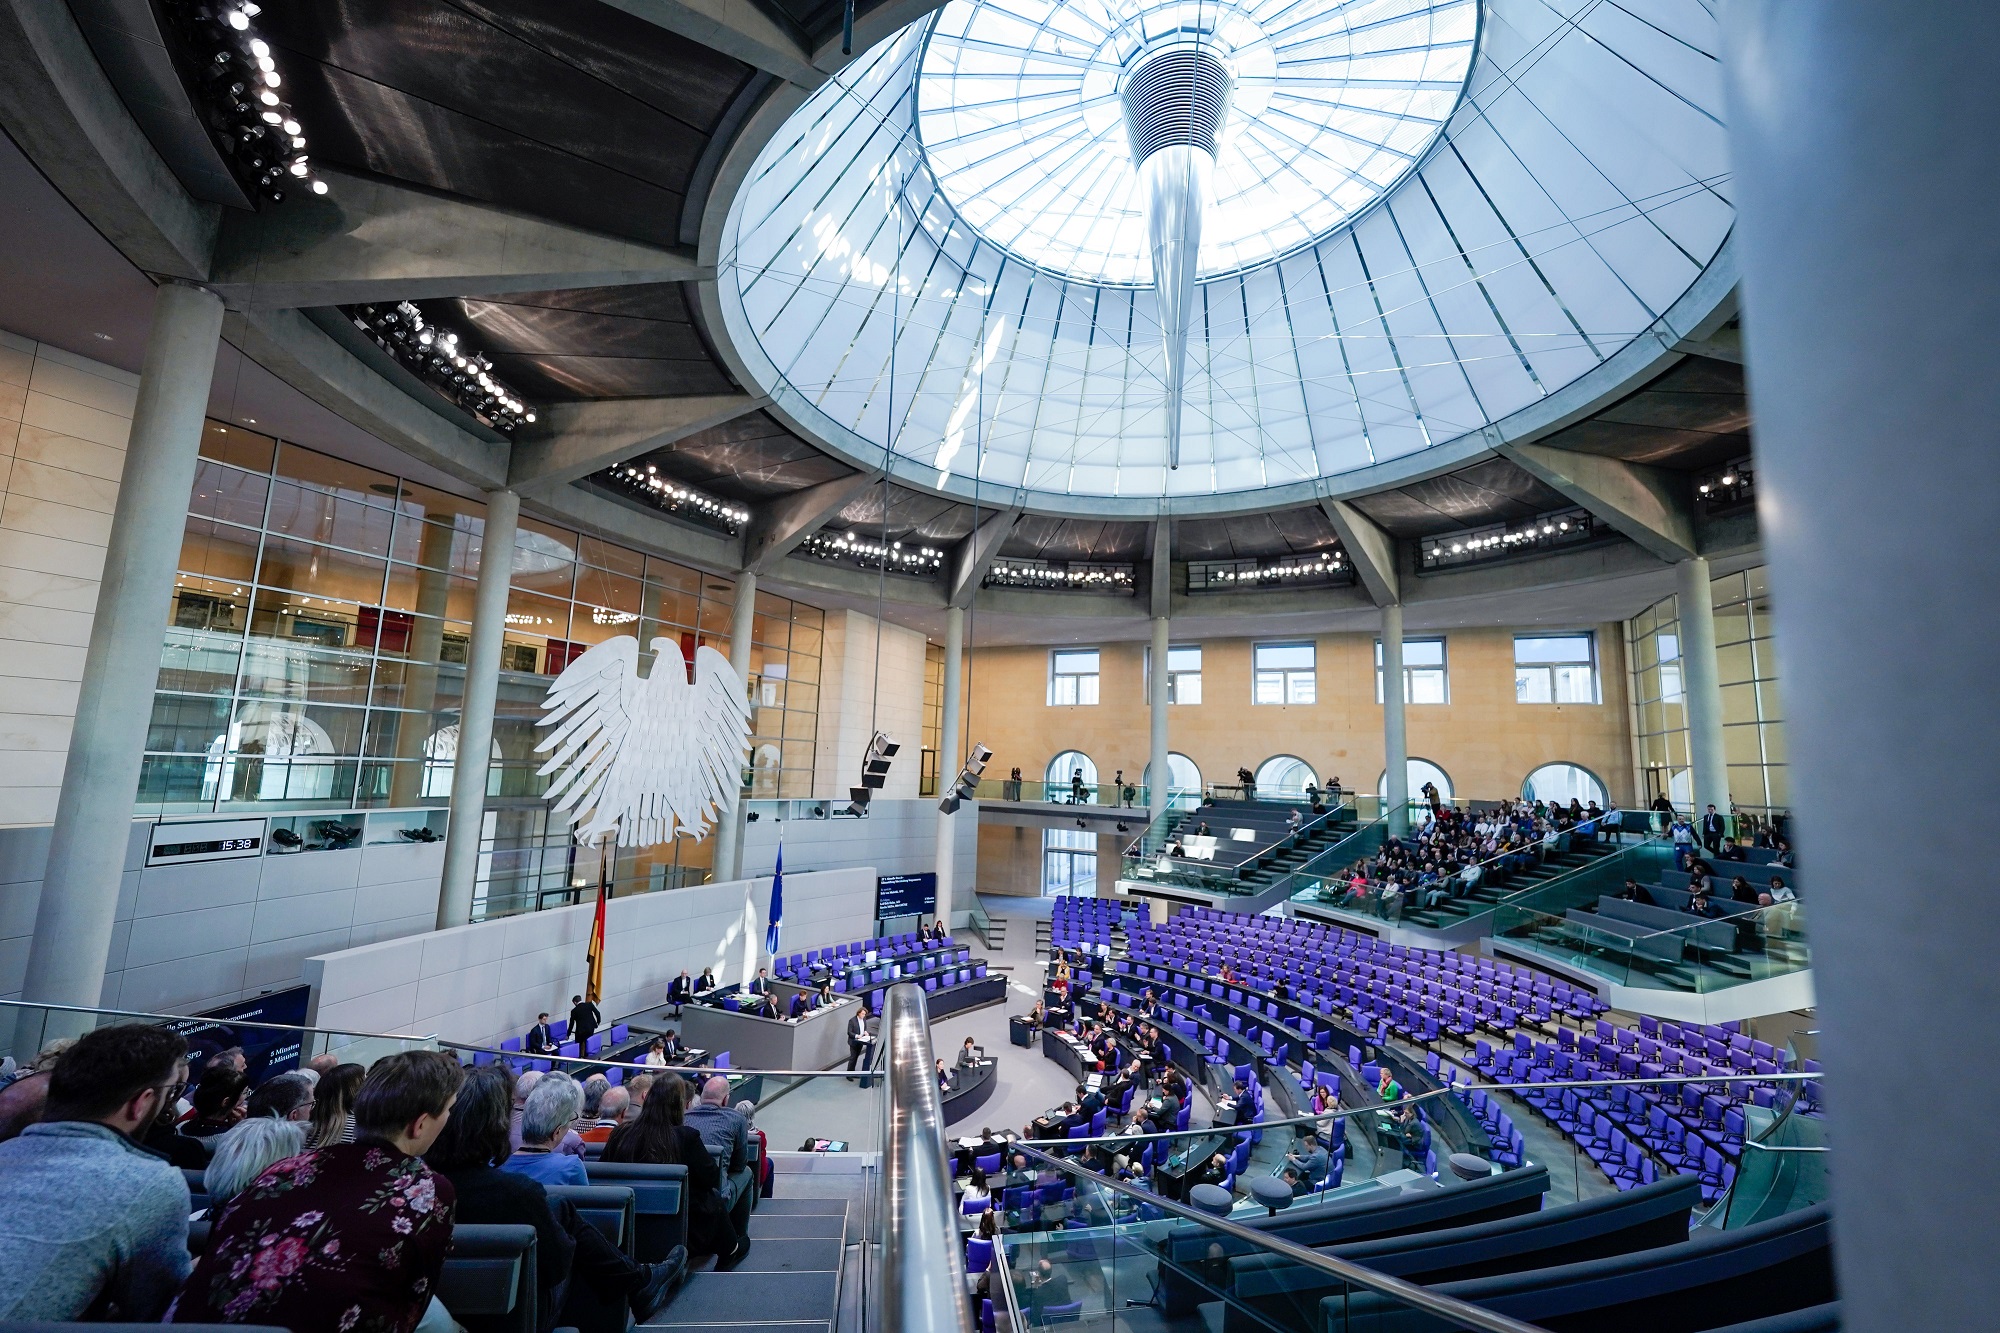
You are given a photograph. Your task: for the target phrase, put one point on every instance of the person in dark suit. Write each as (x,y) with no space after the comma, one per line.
(1088,1101)
(1047,1285)
(679,991)
(673,1045)
(1635,892)
(540,1041)
(762,985)
(707,982)
(797,1007)
(583,1019)
(859,1039)
(1712,826)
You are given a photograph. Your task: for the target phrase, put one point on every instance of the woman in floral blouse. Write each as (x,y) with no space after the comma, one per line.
(348,1238)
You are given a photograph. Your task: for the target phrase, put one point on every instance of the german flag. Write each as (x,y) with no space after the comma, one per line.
(593,984)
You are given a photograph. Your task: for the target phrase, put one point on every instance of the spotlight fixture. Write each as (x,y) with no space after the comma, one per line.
(1081,824)
(852,548)
(1065,575)
(643,481)
(1327,568)
(1124,827)
(234,83)
(1564,527)
(1732,485)
(436,356)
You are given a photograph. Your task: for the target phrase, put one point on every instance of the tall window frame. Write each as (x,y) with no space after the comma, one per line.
(1075,677)
(1183,673)
(1556,668)
(1284,672)
(1069,863)
(1426,671)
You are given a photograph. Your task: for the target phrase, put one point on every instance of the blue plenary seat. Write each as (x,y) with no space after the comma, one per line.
(489,1283)
(659,1203)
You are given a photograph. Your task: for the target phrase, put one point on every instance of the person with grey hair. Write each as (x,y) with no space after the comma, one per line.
(286,1096)
(766,1174)
(611,1112)
(545,1120)
(242,1154)
(594,1089)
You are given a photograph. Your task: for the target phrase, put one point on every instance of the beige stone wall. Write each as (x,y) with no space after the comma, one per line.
(63,425)
(1482,738)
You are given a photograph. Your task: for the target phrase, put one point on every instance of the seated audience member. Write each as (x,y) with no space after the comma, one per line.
(94,1224)
(767,1007)
(679,991)
(21,1103)
(1780,891)
(656,1054)
(975,1188)
(523,1085)
(1046,1285)
(797,1006)
(288,1097)
(243,1153)
(545,1121)
(762,984)
(1309,1159)
(540,1040)
(1784,856)
(728,1140)
(346,1239)
(333,1105)
(610,1114)
(1740,890)
(1322,1100)
(707,982)
(1635,892)
(675,1048)
(1729,851)
(661,1137)
(1698,900)
(637,1087)
(943,1077)
(220,1100)
(471,1154)
(594,1089)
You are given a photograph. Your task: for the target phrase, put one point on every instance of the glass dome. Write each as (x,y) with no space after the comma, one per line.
(1578,190)
(1019,114)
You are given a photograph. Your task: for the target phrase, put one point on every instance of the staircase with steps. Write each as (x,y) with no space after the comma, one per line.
(791,1279)
(1484,898)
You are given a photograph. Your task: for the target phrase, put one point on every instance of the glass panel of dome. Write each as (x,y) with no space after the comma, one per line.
(1494,240)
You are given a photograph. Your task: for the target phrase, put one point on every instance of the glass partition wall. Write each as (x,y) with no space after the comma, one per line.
(314,658)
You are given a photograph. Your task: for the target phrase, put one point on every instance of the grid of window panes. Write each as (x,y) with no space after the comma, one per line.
(933,744)
(1555,669)
(315,652)
(1069,863)
(1747,670)
(1284,673)
(1753,727)
(1183,673)
(1072,676)
(1425,680)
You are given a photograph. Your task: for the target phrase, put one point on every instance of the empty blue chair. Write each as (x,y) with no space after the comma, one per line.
(619,1032)
(569,1048)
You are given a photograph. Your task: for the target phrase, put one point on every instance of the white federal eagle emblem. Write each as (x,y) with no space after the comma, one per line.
(640,760)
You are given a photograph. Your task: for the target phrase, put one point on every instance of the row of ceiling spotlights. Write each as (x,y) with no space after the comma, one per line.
(262,141)
(437,355)
(671,495)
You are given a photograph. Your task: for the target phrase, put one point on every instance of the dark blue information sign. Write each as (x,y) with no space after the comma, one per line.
(905,895)
(268,1051)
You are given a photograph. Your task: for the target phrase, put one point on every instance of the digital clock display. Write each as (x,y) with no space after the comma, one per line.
(209,848)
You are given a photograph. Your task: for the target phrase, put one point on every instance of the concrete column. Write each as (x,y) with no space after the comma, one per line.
(1156,688)
(729,820)
(87,848)
(1868,178)
(475,716)
(950,757)
(1395,740)
(1701,688)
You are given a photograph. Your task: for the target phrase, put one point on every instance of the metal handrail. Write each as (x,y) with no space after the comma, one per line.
(1462,1313)
(921,1288)
(595,1062)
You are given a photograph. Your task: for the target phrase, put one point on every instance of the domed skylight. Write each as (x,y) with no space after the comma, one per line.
(1019,112)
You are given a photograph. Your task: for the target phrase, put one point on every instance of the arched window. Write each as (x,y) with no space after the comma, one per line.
(1069,863)
(1284,775)
(1062,769)
(1183,781)
(1558,784)
(441,758)
(1421,771)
